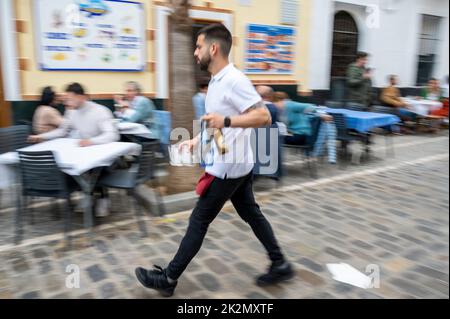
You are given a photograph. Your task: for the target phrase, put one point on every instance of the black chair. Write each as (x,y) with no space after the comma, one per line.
(384,109)
(335,104)
(388,130)
(356,107)
(139,173)
(41,177)
(308,148)
(343,134)
(13,138)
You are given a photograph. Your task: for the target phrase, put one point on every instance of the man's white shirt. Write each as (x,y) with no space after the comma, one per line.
(231,93)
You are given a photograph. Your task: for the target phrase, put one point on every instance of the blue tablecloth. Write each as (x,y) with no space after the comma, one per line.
(364,121)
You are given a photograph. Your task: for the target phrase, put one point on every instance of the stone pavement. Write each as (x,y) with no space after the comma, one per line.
(389,212)
(396,218)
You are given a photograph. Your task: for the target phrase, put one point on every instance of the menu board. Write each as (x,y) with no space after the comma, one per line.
(101,35)
(269,49)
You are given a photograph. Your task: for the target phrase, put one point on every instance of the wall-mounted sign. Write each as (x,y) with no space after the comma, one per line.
(103,35)
(270,49)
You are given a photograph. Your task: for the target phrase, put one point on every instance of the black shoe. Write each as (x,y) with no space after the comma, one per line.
(156,279)
(276,274)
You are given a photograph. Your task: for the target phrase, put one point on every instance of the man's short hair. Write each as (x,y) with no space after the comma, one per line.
(136,86)
(203,84)
(218,33)
(392,77)
(280,96)
(75,88)
(266,92)
(361,55)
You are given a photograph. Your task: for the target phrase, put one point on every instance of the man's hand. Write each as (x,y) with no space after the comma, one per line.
(190,143)
(35,139)
(214,120)
(85,143)
(326,118)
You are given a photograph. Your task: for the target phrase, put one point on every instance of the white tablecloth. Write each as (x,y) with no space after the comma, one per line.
(71,158)
(422,107)
(132,128)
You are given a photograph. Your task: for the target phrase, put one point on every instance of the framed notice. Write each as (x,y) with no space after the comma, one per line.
(90,35)
(269,49)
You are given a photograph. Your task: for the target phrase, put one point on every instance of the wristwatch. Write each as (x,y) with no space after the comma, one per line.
(227,122)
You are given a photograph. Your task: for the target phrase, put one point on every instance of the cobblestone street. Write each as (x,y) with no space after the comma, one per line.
(395,216)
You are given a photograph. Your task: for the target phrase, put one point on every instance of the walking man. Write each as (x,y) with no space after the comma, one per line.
(234,106)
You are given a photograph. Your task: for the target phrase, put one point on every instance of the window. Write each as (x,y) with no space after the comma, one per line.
(345,43)
(429,44)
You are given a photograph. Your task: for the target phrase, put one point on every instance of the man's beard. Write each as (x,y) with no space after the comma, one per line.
(205,62)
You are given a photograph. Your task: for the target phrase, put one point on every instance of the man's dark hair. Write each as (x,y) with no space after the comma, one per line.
(48,96)
(433,79)
(219,33)
(361,55)
(75,88)
(203,84)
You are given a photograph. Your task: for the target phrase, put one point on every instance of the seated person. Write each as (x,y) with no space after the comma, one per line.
(433,91)
(266,93)
(46,117)
(297,118)
(92,122)
(391,96)
(136,108)
(444,99)
(199,100)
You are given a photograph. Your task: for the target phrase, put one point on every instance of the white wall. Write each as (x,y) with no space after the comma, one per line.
(393,46)
(8,52)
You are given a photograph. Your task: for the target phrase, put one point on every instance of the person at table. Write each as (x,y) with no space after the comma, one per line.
(297,117)
(93,123)
(135,108)
(199,100)
(47,118)
(444,99)
(266,93)
(359,81)
(432,91)
(391,96)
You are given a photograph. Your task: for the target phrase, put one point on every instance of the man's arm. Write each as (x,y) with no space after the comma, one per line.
(109,133)
(254,117)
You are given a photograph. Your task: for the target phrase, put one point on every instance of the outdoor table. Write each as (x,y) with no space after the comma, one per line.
(422,107)
(363,122)
(136,129)
(84,164)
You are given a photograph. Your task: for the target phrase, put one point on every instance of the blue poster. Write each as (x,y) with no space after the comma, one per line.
(270,49)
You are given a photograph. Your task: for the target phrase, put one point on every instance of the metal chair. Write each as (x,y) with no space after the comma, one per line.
(308,148)
(335,104)
(343,135)
(41,177)
(388,129)
(356,107)
(13,138)
(139,173)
